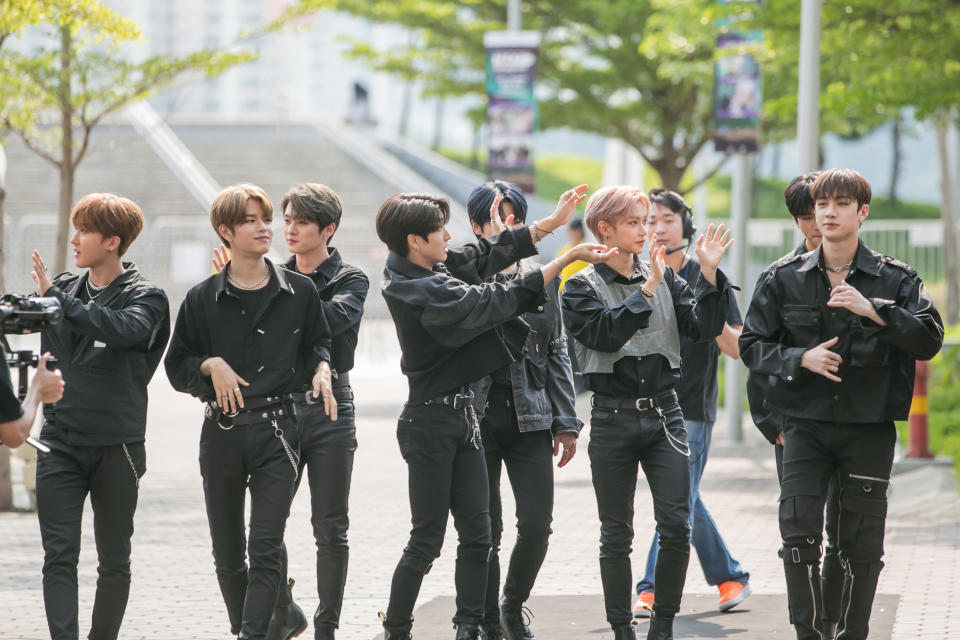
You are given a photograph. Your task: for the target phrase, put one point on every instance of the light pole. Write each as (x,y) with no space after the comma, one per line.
(513,15)
(808,91)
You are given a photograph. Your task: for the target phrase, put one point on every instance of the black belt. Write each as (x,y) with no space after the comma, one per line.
(341,393)
(255,411)
(637,404)
(456,400)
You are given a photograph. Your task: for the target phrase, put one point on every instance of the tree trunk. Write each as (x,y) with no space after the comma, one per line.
(896,134)
(437,125)
(404,128)
(3,254)
(948,213)
(475,148)
(66,154)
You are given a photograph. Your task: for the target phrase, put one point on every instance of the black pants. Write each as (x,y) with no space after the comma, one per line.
(65,476)
(231,461)
(861,458)
(446,474)
(326,450)
(831,574)
(620,440)
(529,459)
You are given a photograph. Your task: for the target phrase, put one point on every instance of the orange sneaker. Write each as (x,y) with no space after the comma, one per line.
(731,594)
(644,605)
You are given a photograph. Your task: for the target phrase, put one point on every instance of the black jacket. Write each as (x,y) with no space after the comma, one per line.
(788,315)
(343,290)
(108,350)
(448,329)
(275,351)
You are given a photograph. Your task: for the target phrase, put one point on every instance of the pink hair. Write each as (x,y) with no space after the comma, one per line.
(612,204)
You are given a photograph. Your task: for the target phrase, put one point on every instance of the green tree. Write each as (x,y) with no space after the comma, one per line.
(53,97)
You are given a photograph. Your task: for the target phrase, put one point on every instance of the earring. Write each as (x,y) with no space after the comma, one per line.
(109,250)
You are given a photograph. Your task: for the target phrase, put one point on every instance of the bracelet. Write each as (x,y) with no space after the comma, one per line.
(558,265)
(646,292)
(539,235)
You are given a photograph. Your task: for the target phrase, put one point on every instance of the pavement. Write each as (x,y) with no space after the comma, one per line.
(174,594)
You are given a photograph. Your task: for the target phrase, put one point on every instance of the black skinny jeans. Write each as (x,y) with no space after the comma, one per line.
(446,474)
(529,459)
(230,462)
(64,478)
(326,450)
(620,440)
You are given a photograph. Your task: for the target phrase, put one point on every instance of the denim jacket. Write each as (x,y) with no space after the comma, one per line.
(542,379)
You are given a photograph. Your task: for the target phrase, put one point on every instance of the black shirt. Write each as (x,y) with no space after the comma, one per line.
(700,316)
(10,408)
(251,299)
(697,389)
(343,290)
(446,327)
(789,315)
(276,351)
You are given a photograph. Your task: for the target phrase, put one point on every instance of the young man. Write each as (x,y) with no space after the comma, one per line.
(114,330)
(627,317)
(838,330)
(529,413)
(248,341)
(800,205)
(449,335)
(669,219)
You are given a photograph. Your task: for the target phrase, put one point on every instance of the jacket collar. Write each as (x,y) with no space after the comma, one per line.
(865,260)
(609,274)
(399,264)
(327,269)
(113,289)
(278,283)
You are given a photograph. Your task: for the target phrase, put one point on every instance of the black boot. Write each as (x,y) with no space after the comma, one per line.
(491,631)
(389,635)
(468,631)
(324,632)
(660,628)
(512,621)
(804,598)
(288,621)
(624,632)
(858,599)
(829,630)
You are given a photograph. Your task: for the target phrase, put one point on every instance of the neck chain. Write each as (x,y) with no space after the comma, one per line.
(243,285)
(839,269)
(93,290)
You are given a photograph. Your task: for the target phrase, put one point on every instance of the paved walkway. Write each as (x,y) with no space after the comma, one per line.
(175,595)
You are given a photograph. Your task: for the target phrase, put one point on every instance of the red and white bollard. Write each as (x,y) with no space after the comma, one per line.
(919,438)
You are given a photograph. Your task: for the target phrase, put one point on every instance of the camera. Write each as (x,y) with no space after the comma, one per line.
(27,314)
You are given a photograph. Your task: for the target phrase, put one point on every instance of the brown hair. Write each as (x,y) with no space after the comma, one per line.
(405,213)
(313,202)
(109,215)
(610,205)
(835,183)
(230,206)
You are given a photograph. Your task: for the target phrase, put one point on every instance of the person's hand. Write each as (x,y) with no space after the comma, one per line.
(658,263)
(221,256)
(568,441)
(565,207)
(226,384)
(496,224)
(848,297)
(589,252)
(323,388)
(710,249)
(49,384)
(40,274)
(780,438)
(823,361)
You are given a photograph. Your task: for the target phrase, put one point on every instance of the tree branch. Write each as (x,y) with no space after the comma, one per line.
(31,144)
(706,176)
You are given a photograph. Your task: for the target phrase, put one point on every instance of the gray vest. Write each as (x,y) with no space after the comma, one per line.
(660,337)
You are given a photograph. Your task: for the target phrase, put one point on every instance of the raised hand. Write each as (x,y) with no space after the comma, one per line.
(565,207)
(658,262)
(823,361)
(710,250)
(40,274)
(221,256)
(589,252)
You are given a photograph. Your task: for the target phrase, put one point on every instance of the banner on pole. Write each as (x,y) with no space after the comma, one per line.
(737,96)
(511,105)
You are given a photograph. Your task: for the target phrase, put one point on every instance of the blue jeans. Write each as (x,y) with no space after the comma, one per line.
(718,565)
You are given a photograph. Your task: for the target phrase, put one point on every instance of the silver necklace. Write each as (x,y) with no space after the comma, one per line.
(248,286)
(93,290)
(839,269)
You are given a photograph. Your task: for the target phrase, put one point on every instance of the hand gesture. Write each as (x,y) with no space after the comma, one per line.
(589,252)
(323,388)
(823,361)
(49,384)
(566,206)
(710,249)
(221,256)
(568,441)
(39,274)
(658,263)
(496,224)
(226,384)
(848,297)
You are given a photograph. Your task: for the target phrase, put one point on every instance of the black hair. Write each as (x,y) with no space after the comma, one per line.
(675,202)
(404,213)
(482,197)
(798,196)
(575,223)
(313,202)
